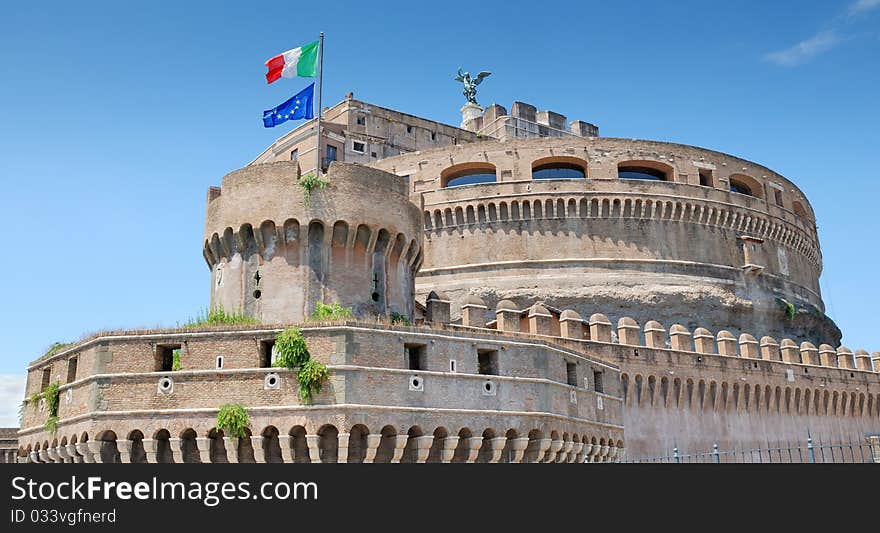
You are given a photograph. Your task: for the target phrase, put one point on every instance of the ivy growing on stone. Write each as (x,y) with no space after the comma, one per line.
(51,395)
(290,349)
(311,378)
(293,354)
(232,419)
(309,183)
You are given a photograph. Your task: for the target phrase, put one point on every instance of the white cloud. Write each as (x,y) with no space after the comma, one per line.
(807,49)
(862,6)
(11,395)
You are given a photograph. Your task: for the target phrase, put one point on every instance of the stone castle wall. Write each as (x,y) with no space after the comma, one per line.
(674,250)
(525,409)
(692,389)
(357,243)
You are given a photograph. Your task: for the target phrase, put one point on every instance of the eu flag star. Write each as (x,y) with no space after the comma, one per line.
(299,106)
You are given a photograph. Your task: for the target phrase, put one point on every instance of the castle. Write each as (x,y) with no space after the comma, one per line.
(559,297)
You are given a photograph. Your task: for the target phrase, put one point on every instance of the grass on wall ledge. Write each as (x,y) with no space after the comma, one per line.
(217,315)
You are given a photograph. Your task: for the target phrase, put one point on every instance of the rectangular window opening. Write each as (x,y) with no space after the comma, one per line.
(165,357)
(294,154)
(71,369)
(358,147)
(416,356)
(47,376)
(571,373)
(597,381)
(362,121)
(706,178)
(331,154)
(487,362)
(777,195)
(267,353)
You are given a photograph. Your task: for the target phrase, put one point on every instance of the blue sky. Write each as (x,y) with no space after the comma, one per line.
(115,118)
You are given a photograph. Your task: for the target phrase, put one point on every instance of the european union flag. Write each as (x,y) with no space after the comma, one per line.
(299,106)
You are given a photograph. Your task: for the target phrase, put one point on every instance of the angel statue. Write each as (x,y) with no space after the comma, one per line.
(470,85)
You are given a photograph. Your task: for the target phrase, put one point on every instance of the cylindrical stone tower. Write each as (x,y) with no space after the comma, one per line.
(273,252)
(643,229)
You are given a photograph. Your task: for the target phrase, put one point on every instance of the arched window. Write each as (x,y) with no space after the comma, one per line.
(742,184)
(740,188)
(644,170)
(799,209)
(468,174)
(557,168)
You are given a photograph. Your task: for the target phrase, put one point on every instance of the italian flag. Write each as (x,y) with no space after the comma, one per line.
(302,61)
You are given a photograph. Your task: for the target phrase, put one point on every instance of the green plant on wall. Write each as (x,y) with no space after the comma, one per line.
(329,312)
(51,395)
(175,360)
(34,399)
(55,348)
(292,353)
(311,378)
(309,183)
(290,349)
(232,419)
(218,316)
(397,318)
(789,308)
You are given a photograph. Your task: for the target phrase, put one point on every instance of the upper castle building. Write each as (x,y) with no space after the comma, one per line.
(528,207)
(574,298)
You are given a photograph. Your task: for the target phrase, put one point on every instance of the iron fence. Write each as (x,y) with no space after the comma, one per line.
(807,451)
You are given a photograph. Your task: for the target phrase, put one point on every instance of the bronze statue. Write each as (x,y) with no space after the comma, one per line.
(470,85)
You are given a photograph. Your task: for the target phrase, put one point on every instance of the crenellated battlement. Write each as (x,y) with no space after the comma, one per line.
(693,389)
(275,248)
(569,325)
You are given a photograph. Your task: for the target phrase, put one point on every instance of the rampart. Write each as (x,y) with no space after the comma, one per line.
(395,394)
(693,389)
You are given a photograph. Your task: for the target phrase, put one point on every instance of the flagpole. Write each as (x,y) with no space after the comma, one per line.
(318,158)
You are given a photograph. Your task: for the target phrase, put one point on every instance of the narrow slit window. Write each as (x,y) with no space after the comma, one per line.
(597,382)
(71,369)
(571,374)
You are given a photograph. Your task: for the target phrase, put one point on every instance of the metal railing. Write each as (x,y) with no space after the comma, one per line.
(512,126)
(806,451)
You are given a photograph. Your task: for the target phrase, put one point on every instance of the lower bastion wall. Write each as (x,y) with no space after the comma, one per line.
(474,397)
(694,390)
